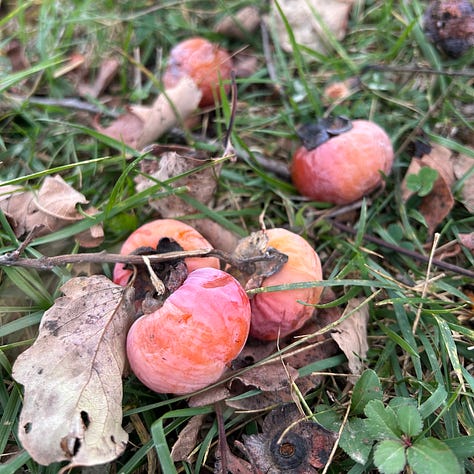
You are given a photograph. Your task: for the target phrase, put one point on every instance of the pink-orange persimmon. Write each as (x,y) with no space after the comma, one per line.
(279,313)
(344,166)
(187,344)
(206,63)
(148,235)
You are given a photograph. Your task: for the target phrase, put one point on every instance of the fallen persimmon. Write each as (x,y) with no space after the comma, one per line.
(149,234)
(203,61)
(186,344)
(279,313)
(341,161)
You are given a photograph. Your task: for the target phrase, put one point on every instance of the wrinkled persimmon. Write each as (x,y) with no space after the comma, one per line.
(148,235)
(344,167)
(206,63)
(279,313)
(187,344)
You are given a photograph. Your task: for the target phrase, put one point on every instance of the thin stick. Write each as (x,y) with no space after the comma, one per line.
(13,259)
(66,102)
(409,253)
(417,70)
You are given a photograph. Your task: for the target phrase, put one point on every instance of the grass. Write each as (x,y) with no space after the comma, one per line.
(432,365)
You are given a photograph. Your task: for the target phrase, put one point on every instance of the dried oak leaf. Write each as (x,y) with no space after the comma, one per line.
(170,163)
(463,167)
(72,376)
(187,439)
(351,335)
(240,25)
(141,125)
(308,21)
(289,443)
(436,205)
(107,71)
(173,161)
(467,240)
(52,207)
(15,51)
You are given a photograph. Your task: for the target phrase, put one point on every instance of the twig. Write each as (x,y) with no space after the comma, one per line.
(416,70)
(67,102)
(409,253)
(13,259)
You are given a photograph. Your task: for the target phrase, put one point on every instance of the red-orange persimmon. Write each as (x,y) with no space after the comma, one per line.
(187,344)
(206,63)
(279,313)
(346,166)
(148,235)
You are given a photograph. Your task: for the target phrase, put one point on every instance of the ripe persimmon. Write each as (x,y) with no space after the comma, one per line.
(279,313)
(206,63)
(344,164)
(149,234)
(188,342)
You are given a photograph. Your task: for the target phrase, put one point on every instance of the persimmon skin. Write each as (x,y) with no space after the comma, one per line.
(187,343)
(346,167)
(149,234)
(278,314)
(206,63)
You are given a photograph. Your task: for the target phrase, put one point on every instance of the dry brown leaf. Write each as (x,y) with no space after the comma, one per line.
(15,51)
(467,240)
(303,18)
(187,439)
(351,335)
(72,375)
(268,378)
(463,170)
(209,396)
(170,164)
(107,71)
(438,203)
(174,161)
(234,464)
(240,25)
(52,207)
(142,125)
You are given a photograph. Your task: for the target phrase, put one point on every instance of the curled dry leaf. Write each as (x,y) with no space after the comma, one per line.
(72,375)
(309,19)
(107,71)
(351,335)
(171,162)
(52,207)
(463,166)
(15,51)
(451,167)
(141,125)
(187,439)
(289,443)
(240,25)
(467,240)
